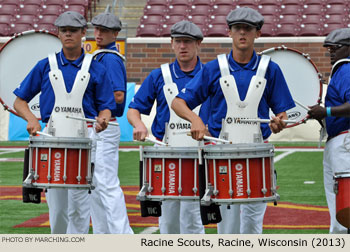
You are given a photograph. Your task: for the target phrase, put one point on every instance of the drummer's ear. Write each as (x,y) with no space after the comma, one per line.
(258,34)
(83,31)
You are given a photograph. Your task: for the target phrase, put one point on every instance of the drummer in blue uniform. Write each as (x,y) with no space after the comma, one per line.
(97,104)
(108,209)
(336,157)
(186,38)
(245,26)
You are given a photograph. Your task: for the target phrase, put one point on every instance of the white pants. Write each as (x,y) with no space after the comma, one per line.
(180,217)
(242,218)
(108,208)
(69,210)
(336,158)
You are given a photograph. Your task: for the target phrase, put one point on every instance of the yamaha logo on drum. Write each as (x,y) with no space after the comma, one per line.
(239,179)
(57,166)
(172,167)
(35,107)
(172,125)
(57,109)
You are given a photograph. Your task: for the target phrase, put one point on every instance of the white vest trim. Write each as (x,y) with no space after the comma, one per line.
(176,124)
(68,103)
(232,129)
(95,53)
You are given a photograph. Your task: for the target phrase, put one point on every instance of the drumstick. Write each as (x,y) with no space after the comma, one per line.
(212,138)
(154,141)
(302,105)
(89,120)
(43,134)
(263,120)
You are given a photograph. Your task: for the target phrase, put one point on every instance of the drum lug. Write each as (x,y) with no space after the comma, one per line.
(206,200)
(36,177)
(141,196)
(28,180)
(248,192)
(264,191)
(180,190)
(49,178)
(78,178)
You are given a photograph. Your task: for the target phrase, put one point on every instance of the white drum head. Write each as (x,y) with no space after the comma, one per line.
(17,57)
(302,77)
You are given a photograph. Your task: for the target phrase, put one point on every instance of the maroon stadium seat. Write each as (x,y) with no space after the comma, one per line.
(268,30)
(313,9)
(327,28)
(152,19)
(180,2)
(312,19)
(336,9)
(78,2)
(155,10)
(178,10)
(47,19)
(202,2)
(7,19)
(52,10)
(219,30)
(311,30)
(203,10)
(198,19)
(291,9)
(48,27)
(336,1)
(26,19)
(242,3)
(289,19)
(11,2)
(287,30)
(271,19)
(4,29)
(336,19)
(36,2)
(77,8)
(269,10)
(18,28)
(151,30)
(225,2)
(221,10)
(29,9)
(170,20)
(269,2)
(8,9)
(157,2)
(165,31)
(220,19)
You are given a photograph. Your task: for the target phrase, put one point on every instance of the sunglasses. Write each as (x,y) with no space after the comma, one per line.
(334,48)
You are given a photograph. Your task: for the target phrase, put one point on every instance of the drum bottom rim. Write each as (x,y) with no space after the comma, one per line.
(64,186)
(274,198)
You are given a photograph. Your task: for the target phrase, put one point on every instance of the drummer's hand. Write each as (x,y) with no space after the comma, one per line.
(101,123)
(277,124)
(317,112)
(198,129)
(140,132)
(33,126)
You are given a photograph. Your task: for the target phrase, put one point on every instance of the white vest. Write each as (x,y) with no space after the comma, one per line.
(68,103)
(232,129)
(176,129)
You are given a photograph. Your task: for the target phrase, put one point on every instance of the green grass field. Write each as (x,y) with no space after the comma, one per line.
(292,172)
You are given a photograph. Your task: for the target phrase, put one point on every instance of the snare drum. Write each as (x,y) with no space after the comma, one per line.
(169,173)
(342,191)
(59,162)
(17,57)
(303,79)
(239,173)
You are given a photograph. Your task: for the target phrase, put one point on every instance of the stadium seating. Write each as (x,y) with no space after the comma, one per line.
(5,29)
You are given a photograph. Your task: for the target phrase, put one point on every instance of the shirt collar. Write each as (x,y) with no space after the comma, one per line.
(180,74)
(234,66)
(78,62)
(111,46)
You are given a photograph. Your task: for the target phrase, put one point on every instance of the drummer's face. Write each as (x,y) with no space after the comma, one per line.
(243,36)
(71,37)
(338,52)
(104,36)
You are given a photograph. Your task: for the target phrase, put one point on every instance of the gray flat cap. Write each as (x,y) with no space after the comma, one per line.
(186,29)
(71,19)
(338,37)
(245,15)
(108,20)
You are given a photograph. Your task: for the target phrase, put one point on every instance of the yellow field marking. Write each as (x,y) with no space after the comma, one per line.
(296,226)
(133,206)
(309,208)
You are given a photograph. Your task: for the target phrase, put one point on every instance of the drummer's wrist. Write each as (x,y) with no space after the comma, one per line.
(328,111)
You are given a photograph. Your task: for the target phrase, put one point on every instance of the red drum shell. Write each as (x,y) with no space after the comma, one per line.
(343,199)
